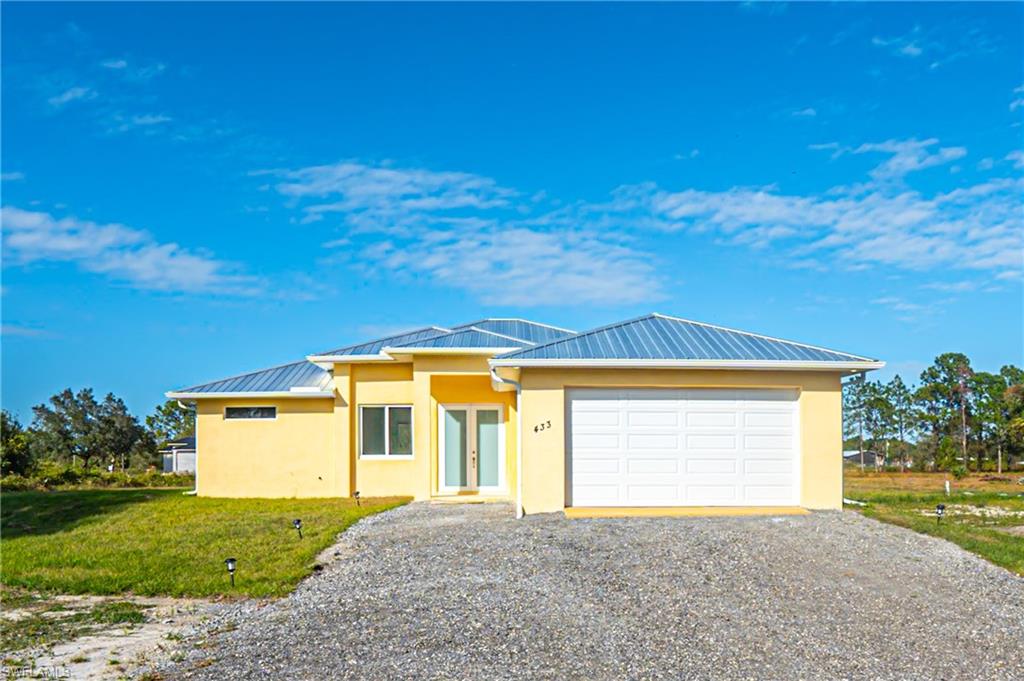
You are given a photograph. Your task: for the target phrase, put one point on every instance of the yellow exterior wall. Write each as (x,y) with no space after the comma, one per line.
(311,449)
(290,456)
(543,400)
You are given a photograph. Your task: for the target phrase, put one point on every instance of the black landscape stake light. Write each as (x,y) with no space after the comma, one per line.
(231,563)
(356,495)
(297,524)
(939,510)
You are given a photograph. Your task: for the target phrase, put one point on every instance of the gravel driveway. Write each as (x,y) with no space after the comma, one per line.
(466,592)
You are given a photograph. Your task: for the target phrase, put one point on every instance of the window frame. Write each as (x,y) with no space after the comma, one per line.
(387,455)
(250,418)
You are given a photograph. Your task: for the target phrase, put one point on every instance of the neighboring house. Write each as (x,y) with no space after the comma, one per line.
(653,411)
(852,456)
(179,456)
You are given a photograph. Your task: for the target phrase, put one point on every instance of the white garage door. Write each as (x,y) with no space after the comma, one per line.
(683,448)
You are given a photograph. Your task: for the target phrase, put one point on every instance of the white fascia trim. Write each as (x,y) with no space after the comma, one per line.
(327,362)
(448,351)
(270,393)
(765,365)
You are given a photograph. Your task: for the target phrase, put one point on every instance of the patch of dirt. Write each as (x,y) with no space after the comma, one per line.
(979,511)
(111,653)
(1016,530)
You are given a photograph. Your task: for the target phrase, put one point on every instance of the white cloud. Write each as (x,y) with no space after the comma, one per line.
(805,113)
(1018,98)
(468,232)
(907,156)
(144,122)
(986,164)
(904,46)
(116,64)
(881,222)
(120,252)
(693,153)
(1016,158)
(12,176)
(72,94)
(23,331)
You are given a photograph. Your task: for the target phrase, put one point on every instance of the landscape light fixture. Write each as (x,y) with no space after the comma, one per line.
(356,495)
(939,510)
(231,563)
(297,524)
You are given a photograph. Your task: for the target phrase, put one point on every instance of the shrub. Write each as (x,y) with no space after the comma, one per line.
(52,475)
(959,471)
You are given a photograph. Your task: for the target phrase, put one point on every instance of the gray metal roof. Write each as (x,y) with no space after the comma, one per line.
(302,374)
(374,347)
(467,338)
(659,337)
(519,328)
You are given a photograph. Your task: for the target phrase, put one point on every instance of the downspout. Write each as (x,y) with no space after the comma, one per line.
(195,431)
(518,437)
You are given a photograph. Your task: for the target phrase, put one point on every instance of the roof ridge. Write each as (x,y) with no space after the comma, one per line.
(442,329)
(250,373)
(517,319)
(461,329)
(581,334)
(502,335)
(760,335)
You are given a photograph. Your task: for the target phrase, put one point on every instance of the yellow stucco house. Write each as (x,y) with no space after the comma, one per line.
(650,412)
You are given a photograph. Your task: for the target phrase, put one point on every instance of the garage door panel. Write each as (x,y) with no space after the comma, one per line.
(711,419)
(583,466)
(776,442)
(659,441)
(595,440)
(767,494)
(597,495)
(706,441)
(709,495)
(608,419)
(646,418)
(647,466)
(654,447)
(651,493)
(768,419)
(763,466)
(711,465)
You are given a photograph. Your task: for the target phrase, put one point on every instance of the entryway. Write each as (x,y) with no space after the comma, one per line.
(471,448)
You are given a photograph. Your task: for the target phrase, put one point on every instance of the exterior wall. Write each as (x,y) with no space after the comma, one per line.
(312,448)
(425,383)
(544,399)
(290,456)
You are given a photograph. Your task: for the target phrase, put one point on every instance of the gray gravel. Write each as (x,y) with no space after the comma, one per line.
(467,592)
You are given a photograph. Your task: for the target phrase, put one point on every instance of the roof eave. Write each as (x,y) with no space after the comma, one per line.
(328,361)
(755,365)
(277,394)
(449,351)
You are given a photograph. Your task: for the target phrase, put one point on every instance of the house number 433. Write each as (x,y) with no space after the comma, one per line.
(544,425)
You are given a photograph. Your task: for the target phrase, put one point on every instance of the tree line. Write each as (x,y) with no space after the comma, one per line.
(956,419)
(77,429)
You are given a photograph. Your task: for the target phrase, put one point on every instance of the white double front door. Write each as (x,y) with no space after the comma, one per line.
(471,447)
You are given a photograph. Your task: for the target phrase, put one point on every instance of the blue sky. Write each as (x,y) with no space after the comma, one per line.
(191,191)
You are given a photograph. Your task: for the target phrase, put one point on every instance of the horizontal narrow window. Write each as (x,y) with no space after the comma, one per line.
(385,431)
(250,412)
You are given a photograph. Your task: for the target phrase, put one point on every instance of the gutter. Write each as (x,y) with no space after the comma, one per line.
(519,437)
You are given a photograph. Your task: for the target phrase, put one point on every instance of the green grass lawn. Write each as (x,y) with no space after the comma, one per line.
(160,542)
(964,523)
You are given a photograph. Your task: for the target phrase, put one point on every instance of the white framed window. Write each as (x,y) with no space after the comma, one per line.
(385,431)
(250,413)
